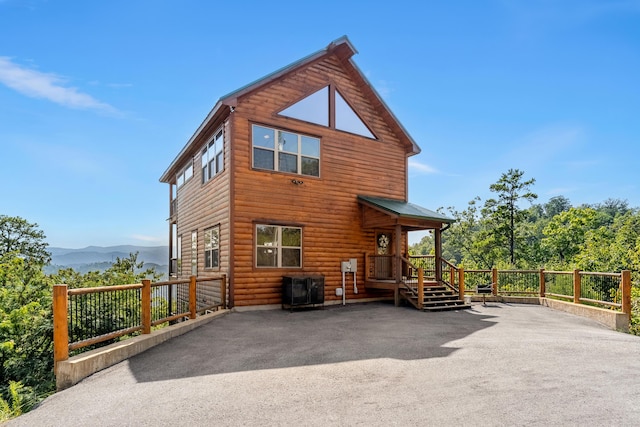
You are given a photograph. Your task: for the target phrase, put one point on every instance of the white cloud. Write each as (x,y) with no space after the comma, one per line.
(36,84)
(417,166)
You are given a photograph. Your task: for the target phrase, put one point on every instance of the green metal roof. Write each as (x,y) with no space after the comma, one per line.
(405,209)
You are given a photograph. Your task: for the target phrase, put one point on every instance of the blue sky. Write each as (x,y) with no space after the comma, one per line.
(97,98)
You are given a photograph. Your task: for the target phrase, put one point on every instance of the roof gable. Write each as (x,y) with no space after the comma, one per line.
(343,50)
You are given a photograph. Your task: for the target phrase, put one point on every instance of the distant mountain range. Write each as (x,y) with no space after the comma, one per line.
(99,258)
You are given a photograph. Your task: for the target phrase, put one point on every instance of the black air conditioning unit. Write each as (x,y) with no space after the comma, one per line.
(302,290)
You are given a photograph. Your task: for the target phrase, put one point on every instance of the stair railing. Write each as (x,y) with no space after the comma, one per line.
(410,269)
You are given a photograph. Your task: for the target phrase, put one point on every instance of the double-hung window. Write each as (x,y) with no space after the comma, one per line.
(212,247)
(278,246)
(283,151)
(213,157)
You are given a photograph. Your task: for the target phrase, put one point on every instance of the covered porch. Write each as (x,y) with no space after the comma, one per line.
(390,267)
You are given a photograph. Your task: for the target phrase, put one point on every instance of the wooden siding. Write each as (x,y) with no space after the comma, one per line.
(325,207)
(201,206)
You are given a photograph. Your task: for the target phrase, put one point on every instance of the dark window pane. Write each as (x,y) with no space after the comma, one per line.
(219,162)
(291,257)
(287,163)
(207,259)
(267,235)
(267,257)
(291,236)
(262,159)
(215,258)
(310,166)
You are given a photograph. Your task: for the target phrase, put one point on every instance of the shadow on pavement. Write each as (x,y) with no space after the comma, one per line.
(256,340)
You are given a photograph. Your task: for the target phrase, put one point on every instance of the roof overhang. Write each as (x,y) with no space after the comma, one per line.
(380,212)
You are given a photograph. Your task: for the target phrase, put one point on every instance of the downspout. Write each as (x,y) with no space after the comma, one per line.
(232,188)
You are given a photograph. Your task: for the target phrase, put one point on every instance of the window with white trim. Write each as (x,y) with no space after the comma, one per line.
(184,175)
(213,157)
(194,253)
(278,246)
(212,247)
(279,150)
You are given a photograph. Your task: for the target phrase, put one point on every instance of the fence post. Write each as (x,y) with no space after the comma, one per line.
(461,282)
(192,297)
(625,284)
(494,280)
(367,266)
(543,284)
(420,287)
(223,291)
(576,287)
(60,325)
(146,306)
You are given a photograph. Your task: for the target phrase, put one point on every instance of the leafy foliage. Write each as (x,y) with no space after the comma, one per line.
(26,325)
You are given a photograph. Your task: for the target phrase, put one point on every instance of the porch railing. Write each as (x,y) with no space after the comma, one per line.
(88,317)
(610,290)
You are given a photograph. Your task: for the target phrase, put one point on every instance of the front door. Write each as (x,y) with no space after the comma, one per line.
(384,257)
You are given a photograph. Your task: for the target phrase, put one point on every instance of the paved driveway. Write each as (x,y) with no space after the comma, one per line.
(368,364)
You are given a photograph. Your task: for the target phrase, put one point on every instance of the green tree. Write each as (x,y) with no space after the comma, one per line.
(504,213)
(556,205)
(565,233)
(24,239)
(463,242)
(26,332)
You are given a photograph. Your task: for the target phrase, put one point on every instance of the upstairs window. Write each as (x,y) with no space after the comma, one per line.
(213,157)
(282,151)
(327,107)
(185,175)
(278,246)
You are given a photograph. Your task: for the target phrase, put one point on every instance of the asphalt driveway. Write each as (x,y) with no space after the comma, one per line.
(368,364)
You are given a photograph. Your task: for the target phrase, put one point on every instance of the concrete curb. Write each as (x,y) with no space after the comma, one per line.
(76,368)
(614,320)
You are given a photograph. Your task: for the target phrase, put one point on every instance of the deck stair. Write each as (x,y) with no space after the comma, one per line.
(437,297)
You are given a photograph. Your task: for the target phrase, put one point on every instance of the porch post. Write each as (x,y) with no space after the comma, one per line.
(398,253)
(437,234)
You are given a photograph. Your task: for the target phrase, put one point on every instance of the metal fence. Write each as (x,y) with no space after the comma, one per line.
(87,318)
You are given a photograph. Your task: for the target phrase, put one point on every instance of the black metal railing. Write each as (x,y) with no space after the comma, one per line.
(518,282)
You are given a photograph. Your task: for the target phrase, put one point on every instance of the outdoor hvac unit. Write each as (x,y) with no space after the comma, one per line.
(302,290)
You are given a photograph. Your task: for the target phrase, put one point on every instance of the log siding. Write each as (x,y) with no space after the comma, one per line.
(326,208)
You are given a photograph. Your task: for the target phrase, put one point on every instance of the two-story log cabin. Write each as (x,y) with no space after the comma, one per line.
(292,175)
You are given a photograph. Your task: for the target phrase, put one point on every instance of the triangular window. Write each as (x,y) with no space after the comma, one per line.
(348,120)
(314,108)
(317,108)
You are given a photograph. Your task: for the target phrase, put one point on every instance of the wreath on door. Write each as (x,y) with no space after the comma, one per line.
(383,244)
